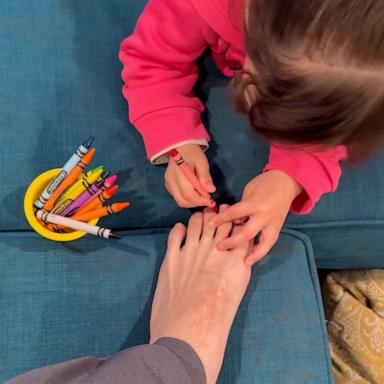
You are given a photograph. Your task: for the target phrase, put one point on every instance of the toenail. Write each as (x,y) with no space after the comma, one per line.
(180,227)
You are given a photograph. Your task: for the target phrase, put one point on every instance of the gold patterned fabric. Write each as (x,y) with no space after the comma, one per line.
(354,308)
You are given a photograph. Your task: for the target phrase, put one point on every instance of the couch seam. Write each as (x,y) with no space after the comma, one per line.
(337,223)
(312,269)
(288,226)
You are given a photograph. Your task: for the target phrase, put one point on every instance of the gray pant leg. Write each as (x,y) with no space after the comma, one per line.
(168,361)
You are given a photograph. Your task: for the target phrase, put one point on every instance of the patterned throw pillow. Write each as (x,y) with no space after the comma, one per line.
(354,308)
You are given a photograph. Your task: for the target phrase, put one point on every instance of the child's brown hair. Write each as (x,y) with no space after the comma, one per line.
(319,78)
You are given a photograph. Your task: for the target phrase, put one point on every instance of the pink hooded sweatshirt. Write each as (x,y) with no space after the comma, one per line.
(160,71)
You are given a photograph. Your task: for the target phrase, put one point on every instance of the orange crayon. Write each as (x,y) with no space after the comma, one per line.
(69,180)
(49,226)
(101,212)
(96,214)
(94,204)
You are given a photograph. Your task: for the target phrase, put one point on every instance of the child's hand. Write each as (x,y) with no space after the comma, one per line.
(265,203)
(179,186)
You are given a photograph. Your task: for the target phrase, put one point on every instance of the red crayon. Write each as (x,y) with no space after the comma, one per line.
(99,200)
(190,175)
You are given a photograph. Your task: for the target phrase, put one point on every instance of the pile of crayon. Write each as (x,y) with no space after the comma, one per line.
(73,198)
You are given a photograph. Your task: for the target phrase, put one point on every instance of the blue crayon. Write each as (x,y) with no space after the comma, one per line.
(67,168)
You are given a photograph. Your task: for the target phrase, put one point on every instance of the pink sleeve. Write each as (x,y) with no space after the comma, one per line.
(159,73)
(317,172)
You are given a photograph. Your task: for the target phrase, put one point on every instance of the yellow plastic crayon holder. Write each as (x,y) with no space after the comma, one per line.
(33,192)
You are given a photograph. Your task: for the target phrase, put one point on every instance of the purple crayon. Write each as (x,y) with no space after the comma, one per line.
(93,191)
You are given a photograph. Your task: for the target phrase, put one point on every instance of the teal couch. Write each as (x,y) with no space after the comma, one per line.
(59,83)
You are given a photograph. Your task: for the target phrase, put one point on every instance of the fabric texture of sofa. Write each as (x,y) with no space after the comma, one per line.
(59,83)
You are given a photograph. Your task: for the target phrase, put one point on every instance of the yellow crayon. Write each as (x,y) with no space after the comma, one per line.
(79,183)
(89,178)
(76,190)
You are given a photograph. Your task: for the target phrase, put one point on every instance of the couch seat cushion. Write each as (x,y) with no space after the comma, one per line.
(93,297)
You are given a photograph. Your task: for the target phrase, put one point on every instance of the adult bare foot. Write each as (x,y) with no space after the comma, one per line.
(200,289)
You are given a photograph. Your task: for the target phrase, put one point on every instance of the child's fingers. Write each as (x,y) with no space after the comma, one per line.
(202,172)
(268,239)
(247,232)
(223,230)
(233,213)
(240,221)
(189,194)
(180,201)
(246,245)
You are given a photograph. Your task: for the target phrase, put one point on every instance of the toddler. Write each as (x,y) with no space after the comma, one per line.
(307,73)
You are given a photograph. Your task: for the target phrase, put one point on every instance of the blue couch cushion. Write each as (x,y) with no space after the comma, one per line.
(60,82)
(93,297)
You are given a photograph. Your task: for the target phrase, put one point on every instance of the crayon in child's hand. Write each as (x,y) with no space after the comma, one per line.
(191,177)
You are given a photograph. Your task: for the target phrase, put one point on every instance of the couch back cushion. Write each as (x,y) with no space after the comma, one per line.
(60,82)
